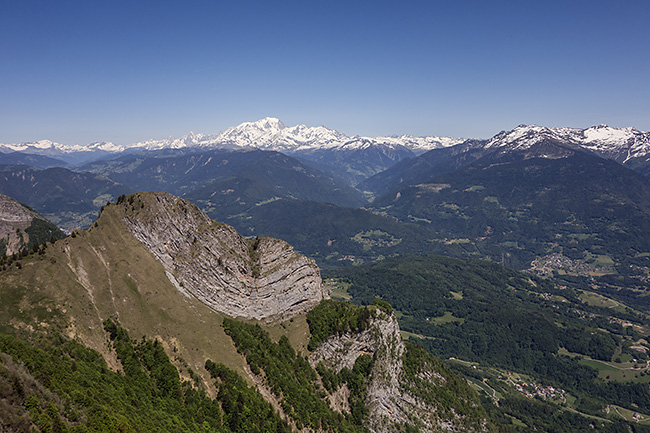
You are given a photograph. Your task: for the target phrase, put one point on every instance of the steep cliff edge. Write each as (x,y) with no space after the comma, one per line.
(263,278)
(21,227)
(160,268)
(407,386)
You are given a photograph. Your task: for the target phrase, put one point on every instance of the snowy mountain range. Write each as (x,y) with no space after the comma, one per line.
(625,145)
(51,148)
(619,144)
(266,134)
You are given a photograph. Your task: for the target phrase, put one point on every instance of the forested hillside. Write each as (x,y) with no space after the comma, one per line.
(476,313)
(50,383)
(57,385)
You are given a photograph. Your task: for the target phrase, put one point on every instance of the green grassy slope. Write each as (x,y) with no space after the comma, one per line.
(106,273)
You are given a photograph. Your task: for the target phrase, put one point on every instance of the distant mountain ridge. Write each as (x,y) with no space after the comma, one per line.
(627,146)
(184,173)
(70,154)
(36,161)
(619,144)
(272,134)
(353,159)
(66,198)
(266,134)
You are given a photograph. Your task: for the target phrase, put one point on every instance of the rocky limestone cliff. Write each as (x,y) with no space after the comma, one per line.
(15,220)
(392,399)
(262,279)
(383,339)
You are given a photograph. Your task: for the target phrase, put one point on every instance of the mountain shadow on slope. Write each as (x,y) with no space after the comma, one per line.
(355,164)
(518,206)
(337,236)
(432,163)
(36,161)
(66,198)
(219,177)
(272,175)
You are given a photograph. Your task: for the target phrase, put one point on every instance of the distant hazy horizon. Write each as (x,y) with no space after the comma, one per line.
(77,73)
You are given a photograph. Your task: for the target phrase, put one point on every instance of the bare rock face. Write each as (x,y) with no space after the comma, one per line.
(15,218)
(390,400)
(385,399)
(262,279)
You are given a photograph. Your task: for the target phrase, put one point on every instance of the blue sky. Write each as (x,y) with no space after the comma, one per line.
(84,71)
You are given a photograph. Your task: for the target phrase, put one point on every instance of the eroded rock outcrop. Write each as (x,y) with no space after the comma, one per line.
(382,341)
(20,226)
(395,396)
(263,278)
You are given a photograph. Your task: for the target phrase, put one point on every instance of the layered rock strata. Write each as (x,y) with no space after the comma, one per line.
(263,278)
(15,218)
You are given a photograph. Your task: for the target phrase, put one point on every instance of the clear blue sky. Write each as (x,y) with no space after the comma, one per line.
(83,71)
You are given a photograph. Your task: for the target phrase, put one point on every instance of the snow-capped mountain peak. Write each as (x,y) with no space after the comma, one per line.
(525,136)
(252,133)
(268,133)
(270,123)
(608,135)
(266,126)
(40,145)
(271,134)
(105,146)
(51,148)
(620,144)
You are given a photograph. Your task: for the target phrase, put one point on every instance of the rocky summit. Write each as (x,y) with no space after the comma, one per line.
(262,278)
